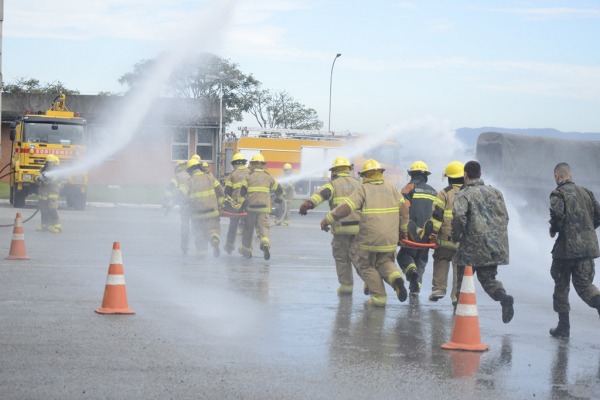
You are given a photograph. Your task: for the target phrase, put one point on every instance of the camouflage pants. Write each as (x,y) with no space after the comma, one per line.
(582,270)
(486,275)
(344,253)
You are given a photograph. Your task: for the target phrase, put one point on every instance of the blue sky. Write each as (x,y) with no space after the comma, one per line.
(513,64)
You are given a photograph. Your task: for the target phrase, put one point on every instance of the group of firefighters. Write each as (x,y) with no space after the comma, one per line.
(245,198)
(465,222)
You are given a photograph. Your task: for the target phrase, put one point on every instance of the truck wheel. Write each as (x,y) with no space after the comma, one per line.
(18,198)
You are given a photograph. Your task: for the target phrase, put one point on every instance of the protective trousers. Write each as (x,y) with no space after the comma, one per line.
(260,222)
(49,211)
(287,213)
(344,253)
(205,230)
(487,277)
(375,268)
(234,223)
(442,257)
(413,260)
(582,270)
(184,218)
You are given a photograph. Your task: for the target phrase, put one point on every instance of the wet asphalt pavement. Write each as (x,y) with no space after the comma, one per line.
(235,328)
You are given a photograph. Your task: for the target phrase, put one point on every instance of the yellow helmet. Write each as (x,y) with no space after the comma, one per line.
(455,169)
(196,157)
(371,165)
(191,162)
(258,158)
(287,166)
(419,166)
(204,164)
(238,158)
(51,158)
(340,162)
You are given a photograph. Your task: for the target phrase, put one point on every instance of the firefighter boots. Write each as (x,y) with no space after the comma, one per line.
(215,247)
(400,289)
(266,251)
(436,295)
(414,286)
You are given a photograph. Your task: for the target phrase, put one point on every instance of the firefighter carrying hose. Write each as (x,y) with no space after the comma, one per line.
(445,251)
(344,230)
(257,188)
(48,192)
(384,219)
(173,196)
(205,196)
(420,197)
(233,201)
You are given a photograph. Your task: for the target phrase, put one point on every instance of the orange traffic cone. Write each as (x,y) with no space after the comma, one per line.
(17,246)
(115,295)
(465,334)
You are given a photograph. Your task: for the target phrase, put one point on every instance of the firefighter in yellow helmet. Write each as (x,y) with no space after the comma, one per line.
(289,192)
(344,230)
(257,188)
(420,197)
(445,251)
(173,197)
(383,217)
(205,196)
(48,192)
(234,201)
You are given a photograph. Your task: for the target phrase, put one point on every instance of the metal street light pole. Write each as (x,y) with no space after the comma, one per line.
(330,84)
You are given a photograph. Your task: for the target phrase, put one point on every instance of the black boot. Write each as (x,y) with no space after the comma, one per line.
(563,328)
(508,310)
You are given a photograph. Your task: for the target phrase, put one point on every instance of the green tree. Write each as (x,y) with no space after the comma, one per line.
(280,110)
(203,76)
(32,85)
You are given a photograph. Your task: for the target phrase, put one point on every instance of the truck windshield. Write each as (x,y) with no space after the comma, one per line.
(54,133)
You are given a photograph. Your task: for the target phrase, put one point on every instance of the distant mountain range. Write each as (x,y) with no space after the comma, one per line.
(469,135)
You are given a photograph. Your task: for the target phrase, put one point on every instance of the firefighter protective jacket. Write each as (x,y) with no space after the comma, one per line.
(420,198)
(204,193)
(233,183)
(257,188)
(336,191)
(173,194)
(442,216)
(383,215)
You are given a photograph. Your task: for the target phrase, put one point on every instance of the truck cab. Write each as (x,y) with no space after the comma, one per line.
(34,136)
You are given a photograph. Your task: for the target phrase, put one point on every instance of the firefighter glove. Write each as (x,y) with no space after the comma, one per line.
(278,199)
(307,205)
(325,225)
(552,233)
(433,238)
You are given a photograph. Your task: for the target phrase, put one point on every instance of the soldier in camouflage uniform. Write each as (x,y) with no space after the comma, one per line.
(574,215)
(480,225)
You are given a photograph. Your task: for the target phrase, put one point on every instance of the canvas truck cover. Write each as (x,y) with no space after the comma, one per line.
(527,162)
